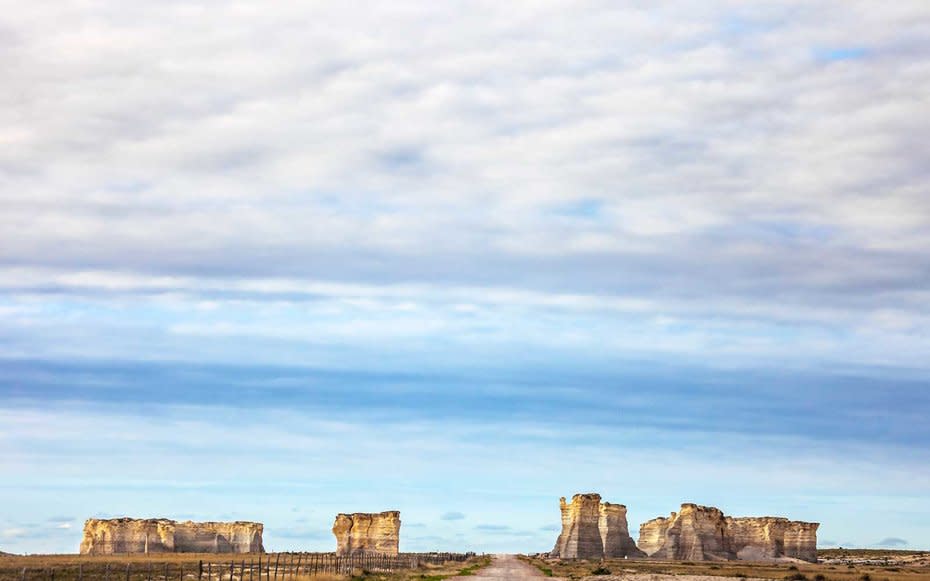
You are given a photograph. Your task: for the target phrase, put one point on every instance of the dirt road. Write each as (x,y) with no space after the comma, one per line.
(507,567)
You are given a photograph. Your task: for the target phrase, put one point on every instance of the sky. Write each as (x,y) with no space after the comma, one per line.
(460,259)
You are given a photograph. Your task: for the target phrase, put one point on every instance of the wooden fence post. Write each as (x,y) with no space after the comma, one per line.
(128,565)
(80,571)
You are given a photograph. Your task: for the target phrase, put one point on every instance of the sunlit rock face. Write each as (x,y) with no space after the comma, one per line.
(364,532)
(702,533)
(801,540)
(129,535)
(218,537)
(581,533)
(592,530)
(652,534)
(615,532)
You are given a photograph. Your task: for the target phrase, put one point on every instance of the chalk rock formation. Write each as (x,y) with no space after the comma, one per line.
(766,538)
(702,533)
(696,533)
(801,540)
(615,533)
(364,532)
(592,530)
(652,535)
(130,535)
(581,533)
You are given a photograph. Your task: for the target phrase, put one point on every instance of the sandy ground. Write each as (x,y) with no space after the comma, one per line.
(507,567)
(661,577)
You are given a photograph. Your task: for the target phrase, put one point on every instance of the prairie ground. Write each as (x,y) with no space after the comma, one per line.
(186,567)
(835,565)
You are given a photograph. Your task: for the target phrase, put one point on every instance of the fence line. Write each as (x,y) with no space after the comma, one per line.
(264,567)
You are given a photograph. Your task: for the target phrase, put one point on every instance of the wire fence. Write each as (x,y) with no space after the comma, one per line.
(264,567)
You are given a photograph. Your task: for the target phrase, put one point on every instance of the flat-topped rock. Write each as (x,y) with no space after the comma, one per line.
(615,532)
(702,533)
(364,532)
(592,530)
(131,535)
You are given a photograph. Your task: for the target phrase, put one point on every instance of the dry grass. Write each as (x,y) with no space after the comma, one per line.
(153,567)
(883,566)
(318,577)
(429,572)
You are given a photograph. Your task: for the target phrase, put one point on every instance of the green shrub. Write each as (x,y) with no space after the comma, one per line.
(601,571)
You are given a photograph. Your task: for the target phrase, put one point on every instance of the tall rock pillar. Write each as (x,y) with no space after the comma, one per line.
(581,534)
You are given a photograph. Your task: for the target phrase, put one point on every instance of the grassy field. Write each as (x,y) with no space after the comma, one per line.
(186,567)
(429,573)
(847,565)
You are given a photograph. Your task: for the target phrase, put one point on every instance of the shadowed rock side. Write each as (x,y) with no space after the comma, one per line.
(702,533)
(592,530)
(129,535)
(363,532)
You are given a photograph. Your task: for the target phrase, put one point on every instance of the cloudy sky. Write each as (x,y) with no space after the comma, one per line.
(460,259)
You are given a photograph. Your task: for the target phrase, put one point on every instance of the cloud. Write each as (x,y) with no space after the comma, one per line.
(641,220)
(892,542)
(582,165)
(452,515)
(487,527)
(14,533)
(552,528)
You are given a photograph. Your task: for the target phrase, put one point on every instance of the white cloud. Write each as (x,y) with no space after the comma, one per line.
(459,184)
(718,144)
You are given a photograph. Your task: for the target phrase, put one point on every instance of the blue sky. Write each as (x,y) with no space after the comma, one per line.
(461,259)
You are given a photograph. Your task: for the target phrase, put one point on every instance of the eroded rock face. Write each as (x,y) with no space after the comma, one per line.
(364,532)
(615,532)
(801,540)
(652,534)
(130,535)
(701,533)
(765,538)
(592,530)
